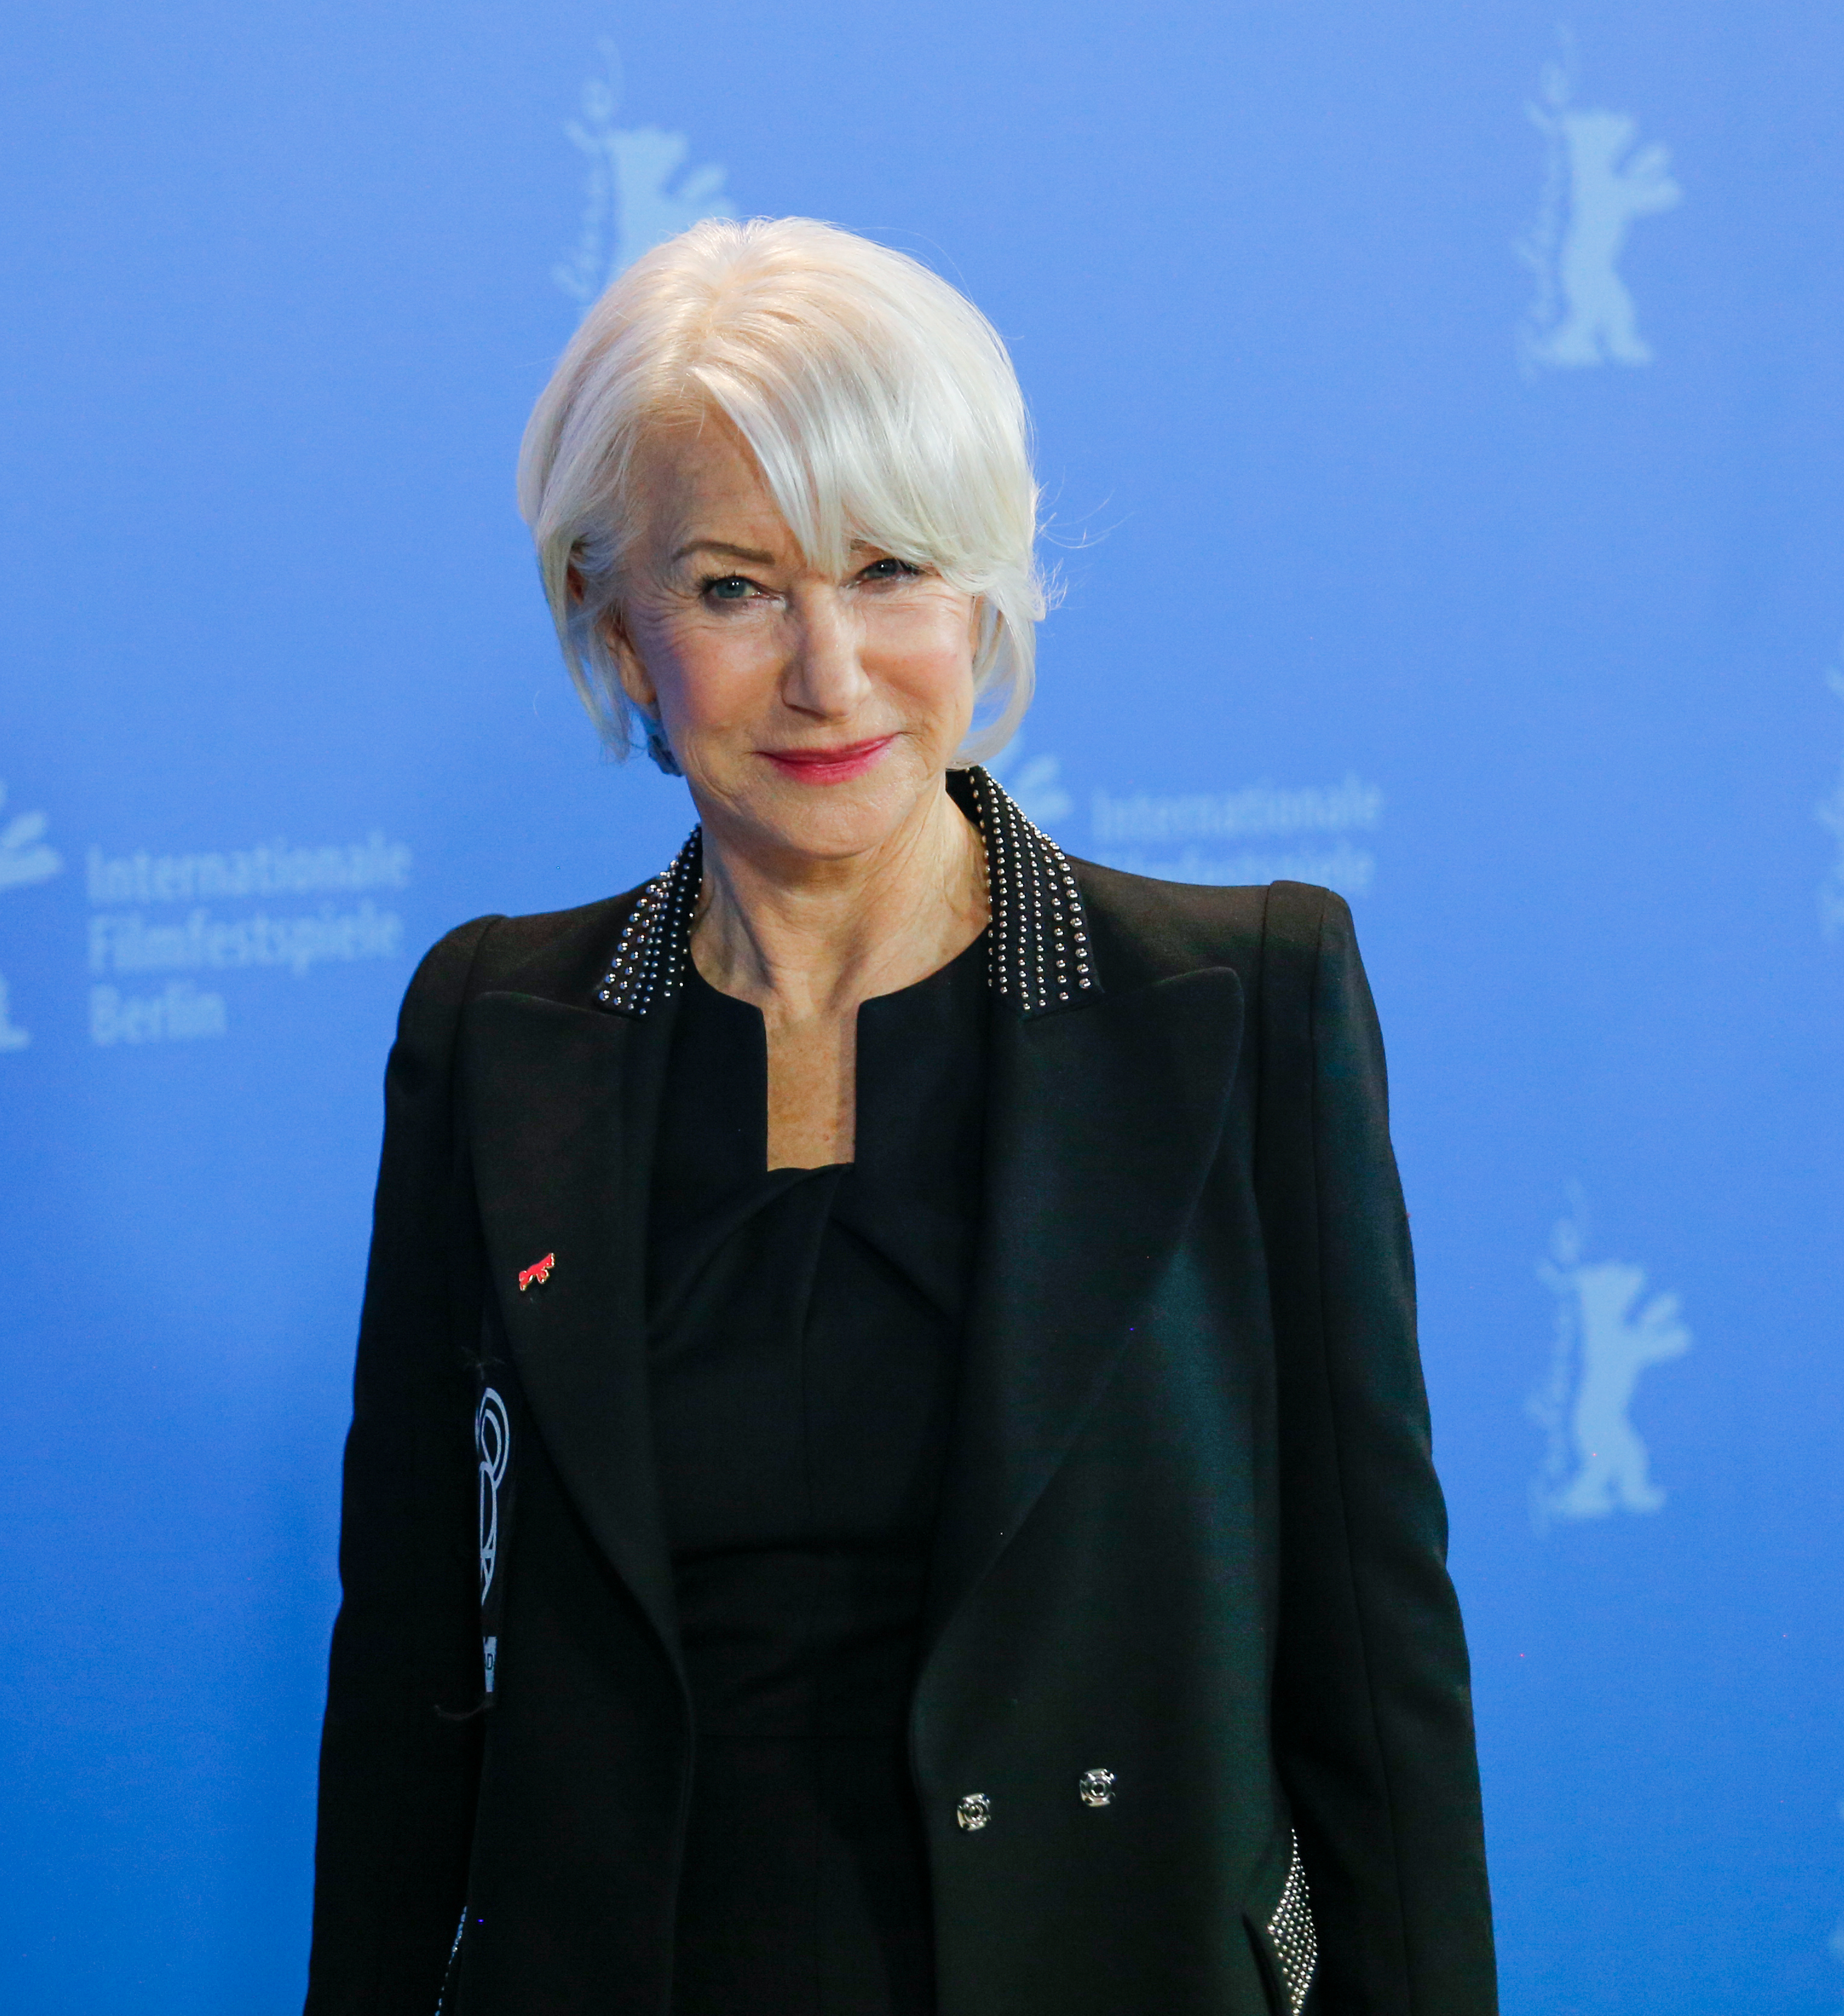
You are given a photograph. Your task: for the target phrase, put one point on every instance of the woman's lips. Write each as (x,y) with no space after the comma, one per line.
(829,766)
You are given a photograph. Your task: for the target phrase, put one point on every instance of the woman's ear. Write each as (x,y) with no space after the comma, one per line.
(636,681)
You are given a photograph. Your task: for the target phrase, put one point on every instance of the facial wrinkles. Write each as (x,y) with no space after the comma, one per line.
(810,661)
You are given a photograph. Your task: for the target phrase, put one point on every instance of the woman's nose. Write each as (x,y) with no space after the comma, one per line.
(825,673)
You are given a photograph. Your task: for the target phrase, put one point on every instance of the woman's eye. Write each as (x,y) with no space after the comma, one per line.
(729,587)
(890,570)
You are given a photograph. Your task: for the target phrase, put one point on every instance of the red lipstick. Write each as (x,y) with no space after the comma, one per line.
(835,765)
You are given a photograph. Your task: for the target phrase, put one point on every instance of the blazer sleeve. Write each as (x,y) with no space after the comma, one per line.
(399,1753)
(1373,1712)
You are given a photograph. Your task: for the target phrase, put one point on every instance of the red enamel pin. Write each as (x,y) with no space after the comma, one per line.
(539,1271)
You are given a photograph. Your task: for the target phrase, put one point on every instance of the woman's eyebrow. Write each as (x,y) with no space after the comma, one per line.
(723,546)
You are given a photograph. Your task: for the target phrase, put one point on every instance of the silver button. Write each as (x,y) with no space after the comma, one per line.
(1096,1787)
(973,1812)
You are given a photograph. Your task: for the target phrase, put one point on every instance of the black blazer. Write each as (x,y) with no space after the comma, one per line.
(1190,1535)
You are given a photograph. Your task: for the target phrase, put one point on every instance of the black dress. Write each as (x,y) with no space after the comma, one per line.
(804,1331)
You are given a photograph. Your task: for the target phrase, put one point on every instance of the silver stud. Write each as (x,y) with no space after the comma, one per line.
(654,944)
(1296,1940)
(973,1812)
(1095,1787)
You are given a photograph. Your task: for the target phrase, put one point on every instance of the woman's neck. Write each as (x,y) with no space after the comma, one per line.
(810,940)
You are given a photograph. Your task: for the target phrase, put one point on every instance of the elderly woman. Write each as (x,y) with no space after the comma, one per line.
(920,1328)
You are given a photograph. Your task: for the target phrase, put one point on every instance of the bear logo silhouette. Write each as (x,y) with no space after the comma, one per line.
(1608,1333)
(639,192)
(1596,186)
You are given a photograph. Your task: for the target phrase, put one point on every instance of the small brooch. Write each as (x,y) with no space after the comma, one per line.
(539,1271)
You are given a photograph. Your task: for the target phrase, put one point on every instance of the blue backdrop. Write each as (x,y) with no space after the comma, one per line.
(1440,413)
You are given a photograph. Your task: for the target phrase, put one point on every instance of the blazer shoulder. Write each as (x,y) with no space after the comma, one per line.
(558,955)
(1313,972)
(432,1002)
(1303,921)
(1146,930)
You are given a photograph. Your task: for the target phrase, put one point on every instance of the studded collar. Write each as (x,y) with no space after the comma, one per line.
(1039,954)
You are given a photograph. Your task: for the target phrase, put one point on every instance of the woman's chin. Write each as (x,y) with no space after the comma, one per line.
(826,820)
(832,830)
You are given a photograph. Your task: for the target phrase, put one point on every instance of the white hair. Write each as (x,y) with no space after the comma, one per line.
(879,403)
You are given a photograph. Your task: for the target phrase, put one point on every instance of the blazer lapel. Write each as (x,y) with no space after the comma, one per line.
(562,1106)
(1103,1122)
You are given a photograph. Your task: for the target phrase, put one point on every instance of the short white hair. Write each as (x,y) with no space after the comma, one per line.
(880,403)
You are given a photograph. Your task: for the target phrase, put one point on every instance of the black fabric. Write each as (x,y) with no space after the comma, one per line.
(1189,1530)
(803,1338)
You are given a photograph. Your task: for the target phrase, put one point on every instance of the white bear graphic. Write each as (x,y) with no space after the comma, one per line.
(1583,313)
(1605,1338)
(633,202)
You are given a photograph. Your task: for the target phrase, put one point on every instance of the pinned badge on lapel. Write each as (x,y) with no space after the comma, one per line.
(539,1271)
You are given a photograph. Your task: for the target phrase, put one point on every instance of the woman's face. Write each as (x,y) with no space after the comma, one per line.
(813,715)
